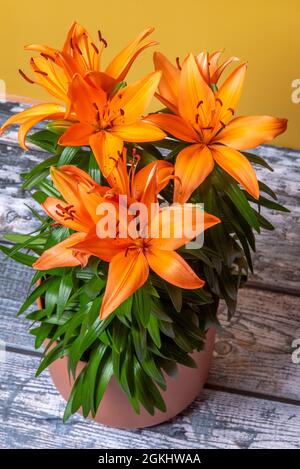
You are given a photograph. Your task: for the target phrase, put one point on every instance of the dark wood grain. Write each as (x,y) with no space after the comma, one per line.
(32,411)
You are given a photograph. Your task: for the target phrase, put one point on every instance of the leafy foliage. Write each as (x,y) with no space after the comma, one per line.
(160,325)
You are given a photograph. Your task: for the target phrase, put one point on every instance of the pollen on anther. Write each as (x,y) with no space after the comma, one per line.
(95,48)
(101,39)
(23,75)
(178,63)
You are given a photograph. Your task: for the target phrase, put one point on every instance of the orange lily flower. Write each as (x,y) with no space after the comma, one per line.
(104,122)
(205,121)
(82,195)
(208,65)
(131,258)
(77,211)
(135,185)
(80,54)
(54,70)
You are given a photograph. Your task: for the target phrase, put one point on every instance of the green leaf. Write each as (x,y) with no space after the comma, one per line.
(44,139)
(153,371)
(35,179)
(94,170)
(139,336)
(65,289)
(264,223)
(74,401)
(153,329)
(88,387)
(119,335)
(142,306)
(50,296)
(175,294)
(264,188)
(46,164)
(29,242)
(257,160)
(127,371)
(147,392)
(269,204)
(47,187)
(57,352)
(104,375)
(41,333)
(67,155)
(237,196)
(37,293)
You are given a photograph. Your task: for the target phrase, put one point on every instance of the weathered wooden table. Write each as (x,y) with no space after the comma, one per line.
(253,393)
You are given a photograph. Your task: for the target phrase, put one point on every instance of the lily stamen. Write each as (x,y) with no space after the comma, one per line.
(178,63)
(23,75)
(95,48)
(101,39)
(67,213)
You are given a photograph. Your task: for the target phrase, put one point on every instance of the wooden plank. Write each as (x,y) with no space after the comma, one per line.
(32,410)
(14,215)
(14,284)
(253,353)
(276,261)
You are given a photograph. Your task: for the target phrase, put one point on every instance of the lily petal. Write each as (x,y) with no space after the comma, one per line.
(104,248)
(55,209)
(193,164)
(229,94)
(76,135)
(195,96)
(164,170)
(169,83)
(32,116)
(127,272)
(62,254)
(249,132)
(130,103)
(173,268)
(139,132)
(86,99)
(174,125)
(101,80)
(171,229)
(107,148)
(50,76)
(237,166)
(120,65)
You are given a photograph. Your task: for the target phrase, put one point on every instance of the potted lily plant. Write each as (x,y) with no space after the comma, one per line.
(146,223)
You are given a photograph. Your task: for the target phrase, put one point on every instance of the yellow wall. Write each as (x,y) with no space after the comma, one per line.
(266,33)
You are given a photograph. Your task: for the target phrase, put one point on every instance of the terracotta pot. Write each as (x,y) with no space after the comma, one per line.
(115,409)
